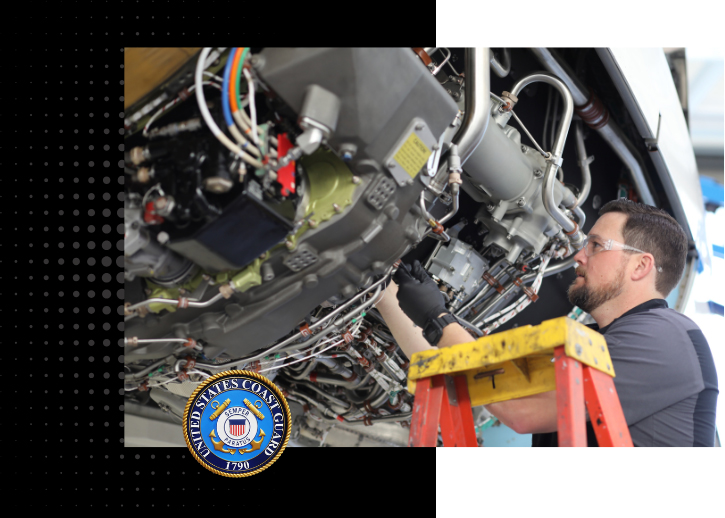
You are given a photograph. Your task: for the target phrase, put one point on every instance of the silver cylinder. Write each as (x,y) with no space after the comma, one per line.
(499,165)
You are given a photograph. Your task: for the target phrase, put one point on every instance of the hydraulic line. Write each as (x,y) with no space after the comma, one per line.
(481,316)
(599,120)
(584,162)
(183,302)
(554,162)
(299,335)
(485,287)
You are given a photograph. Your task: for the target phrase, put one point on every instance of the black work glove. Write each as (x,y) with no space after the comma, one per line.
(418,294)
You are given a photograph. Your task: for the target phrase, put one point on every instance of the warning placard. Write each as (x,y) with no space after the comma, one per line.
(412,155)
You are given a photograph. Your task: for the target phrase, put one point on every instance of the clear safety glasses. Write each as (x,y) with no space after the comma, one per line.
(592,246)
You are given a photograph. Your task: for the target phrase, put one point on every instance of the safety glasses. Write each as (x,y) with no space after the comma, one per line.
(595,245)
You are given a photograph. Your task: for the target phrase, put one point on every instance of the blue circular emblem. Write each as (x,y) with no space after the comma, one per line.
(237,423)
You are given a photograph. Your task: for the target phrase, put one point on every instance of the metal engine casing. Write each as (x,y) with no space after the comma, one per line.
(381,91)
(366,234)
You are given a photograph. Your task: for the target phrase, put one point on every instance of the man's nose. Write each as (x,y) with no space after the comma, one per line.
(580,257)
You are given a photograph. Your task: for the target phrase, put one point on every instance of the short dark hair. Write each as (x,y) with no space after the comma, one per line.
(653,230)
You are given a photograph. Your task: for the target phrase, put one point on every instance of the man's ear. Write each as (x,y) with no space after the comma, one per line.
(645,263)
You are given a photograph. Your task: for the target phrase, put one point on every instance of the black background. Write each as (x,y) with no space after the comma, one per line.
(61,277)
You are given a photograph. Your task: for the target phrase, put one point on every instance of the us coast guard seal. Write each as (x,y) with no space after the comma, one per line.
(237,423)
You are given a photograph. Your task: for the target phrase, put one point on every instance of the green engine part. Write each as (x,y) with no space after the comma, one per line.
(331,187)
(170,293)
(249,276)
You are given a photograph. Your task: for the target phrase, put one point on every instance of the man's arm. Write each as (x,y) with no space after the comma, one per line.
(410,337)
(532,414)
(407,334)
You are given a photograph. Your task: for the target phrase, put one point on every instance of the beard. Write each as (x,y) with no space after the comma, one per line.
(589,299)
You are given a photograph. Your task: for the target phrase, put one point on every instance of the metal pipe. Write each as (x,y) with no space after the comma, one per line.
(393,417)
(153,366)
(175,302)
(495,300)
(579,213)
(555,161)
(298,335)
(485,287)
(610,131)
(584,162)
(501,70)
(335,367)
(476,103)
(445,60)
(332,398)
(477,112)
(564,265)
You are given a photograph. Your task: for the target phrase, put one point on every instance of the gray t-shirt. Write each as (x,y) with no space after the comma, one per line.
(665,378)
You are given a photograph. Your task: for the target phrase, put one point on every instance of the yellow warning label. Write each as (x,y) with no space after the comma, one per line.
(412,155)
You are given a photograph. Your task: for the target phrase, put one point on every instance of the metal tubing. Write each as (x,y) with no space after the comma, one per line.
(626,153)
(335,400)
(609,132)
(476,103)
(579,213)
(583,165)
(485,288)
(495,300)
(564,265)
(393,417)
(553,164)
(501,70)
(298,335)
(455,190)
(175,302)
(477,112)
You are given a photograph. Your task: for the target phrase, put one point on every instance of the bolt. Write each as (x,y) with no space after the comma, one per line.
(163,237)
(521,202)
(508,236)
(356,180)
(391,164)
(419,126)
(312,223)
(336,208)
(206,277)
(475,221)
(289,244)
(538,173)
(523,149)
(490,207)
(346,156)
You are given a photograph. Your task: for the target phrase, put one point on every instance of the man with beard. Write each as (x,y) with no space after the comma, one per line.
(665,375)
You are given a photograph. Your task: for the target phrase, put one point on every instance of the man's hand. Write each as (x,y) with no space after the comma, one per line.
(418,295)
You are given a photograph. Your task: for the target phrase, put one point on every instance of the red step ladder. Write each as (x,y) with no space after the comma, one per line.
(442,396)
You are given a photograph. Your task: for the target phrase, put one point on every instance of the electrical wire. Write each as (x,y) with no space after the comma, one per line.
(252,107)
(229,102)
(303,359)
(518,306)
(204,109)
(172,103)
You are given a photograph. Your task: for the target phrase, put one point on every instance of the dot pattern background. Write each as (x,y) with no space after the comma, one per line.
(61,275)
